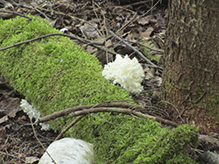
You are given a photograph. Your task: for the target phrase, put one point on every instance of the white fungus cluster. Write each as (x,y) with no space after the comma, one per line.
(68,151)
(126,72)
(33,113)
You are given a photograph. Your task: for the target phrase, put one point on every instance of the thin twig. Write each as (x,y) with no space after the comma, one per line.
(11,155)
(72,123)
(104,49)
(128,23)
(151,8)
(69,126)
(134,49)
(35,135)
(32,8)
(93,5)
(152,49)
(65,112)
(179,115)
(119,110)
(104,20)
(54,34)
(11,12)
(94,44)
(124,111)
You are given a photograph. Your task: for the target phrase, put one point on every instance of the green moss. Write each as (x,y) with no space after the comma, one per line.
(54,73)
(123,139)
(164,147)
(181,157)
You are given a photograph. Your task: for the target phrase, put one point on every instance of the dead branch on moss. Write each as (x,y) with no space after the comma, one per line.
(54,34)
(91,43)
(66,112)
(83,111)
(59,34)
(69,126)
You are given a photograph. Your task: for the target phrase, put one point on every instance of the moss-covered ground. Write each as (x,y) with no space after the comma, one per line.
(54,74)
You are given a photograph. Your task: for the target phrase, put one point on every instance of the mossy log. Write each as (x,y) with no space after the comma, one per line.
(54,73)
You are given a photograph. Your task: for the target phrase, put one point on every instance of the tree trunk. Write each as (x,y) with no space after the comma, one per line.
(191,71)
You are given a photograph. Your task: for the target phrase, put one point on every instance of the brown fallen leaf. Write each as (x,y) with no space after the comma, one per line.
(31,160)
(11,105)
(3,119)
(89,31)
(147,33)
(144,20)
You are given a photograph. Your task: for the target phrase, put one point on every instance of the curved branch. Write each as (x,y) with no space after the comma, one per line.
(113,109)
(66,112)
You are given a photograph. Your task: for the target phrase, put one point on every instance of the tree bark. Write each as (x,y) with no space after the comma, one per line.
(191,71)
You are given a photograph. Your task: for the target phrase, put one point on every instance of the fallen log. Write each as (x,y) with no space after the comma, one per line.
(54,74)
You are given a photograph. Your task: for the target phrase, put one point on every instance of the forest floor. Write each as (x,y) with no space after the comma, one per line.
(141,24)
